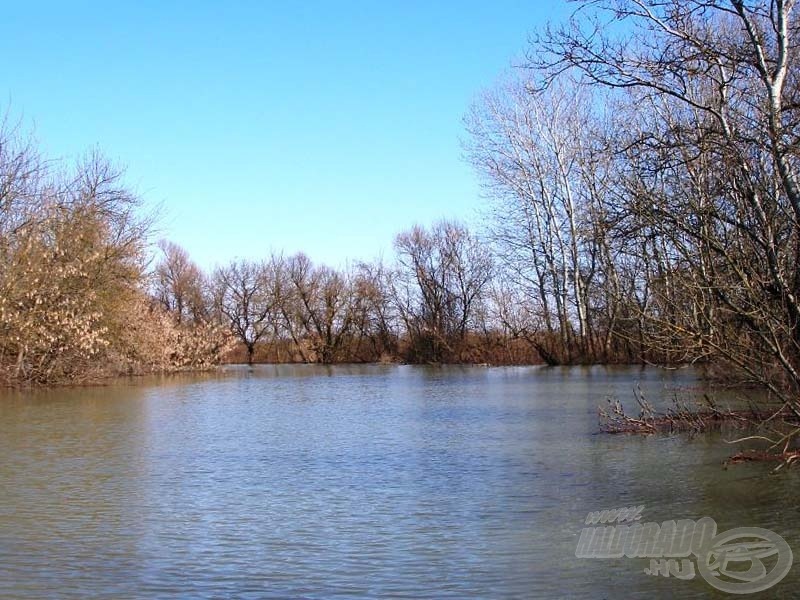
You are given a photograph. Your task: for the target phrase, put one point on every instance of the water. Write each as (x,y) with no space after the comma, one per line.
(376,481)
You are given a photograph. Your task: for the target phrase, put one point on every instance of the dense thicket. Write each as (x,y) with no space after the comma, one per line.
(74,299)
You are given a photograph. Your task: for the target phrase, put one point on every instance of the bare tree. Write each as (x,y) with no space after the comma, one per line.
(442,276)
(374,320)
(537,154)
(242,298)
(320,315)
(179,285)
(710,165)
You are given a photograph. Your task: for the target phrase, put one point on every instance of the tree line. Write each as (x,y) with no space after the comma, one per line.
(643,167)
(429,305)
(642,205)
(82,295)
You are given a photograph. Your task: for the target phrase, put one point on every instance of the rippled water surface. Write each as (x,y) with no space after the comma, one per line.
(378,481)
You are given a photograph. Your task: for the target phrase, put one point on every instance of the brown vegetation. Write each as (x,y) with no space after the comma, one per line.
(75,304)
(642,174)
(682,417)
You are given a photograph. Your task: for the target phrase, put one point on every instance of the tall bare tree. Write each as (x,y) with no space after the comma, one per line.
(322,313)
(374,320)
(179,285)
(710,167)
(242,298)
(538,156)
(442,276)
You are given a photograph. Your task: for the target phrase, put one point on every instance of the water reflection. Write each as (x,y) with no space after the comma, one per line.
(301,481)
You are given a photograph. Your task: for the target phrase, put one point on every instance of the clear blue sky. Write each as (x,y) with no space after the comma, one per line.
(326,127)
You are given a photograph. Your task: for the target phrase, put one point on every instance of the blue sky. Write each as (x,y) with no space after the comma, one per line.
(326,127)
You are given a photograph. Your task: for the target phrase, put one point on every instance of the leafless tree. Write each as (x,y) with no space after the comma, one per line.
(320,315)
(374,320)
(180,285)
(539,159)
(710,165)
(442,275)
(242,298)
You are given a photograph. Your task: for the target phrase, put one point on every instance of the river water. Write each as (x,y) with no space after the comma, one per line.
(374,481)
